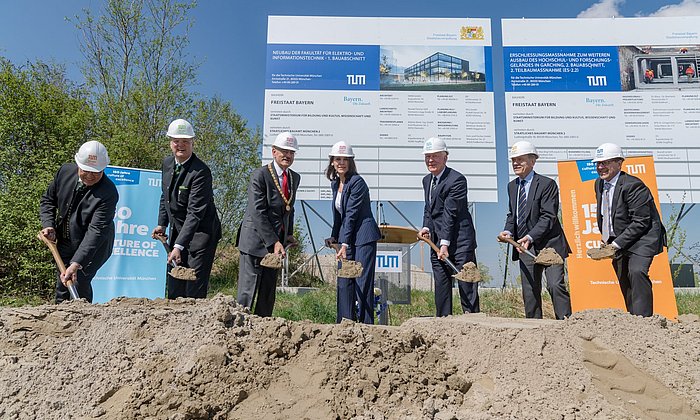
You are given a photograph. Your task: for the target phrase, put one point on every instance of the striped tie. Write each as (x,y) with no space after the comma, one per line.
(433,184)
(522,210)
(605,230)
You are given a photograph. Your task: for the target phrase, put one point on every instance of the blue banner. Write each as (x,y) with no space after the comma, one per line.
(322,67)
(587,170)
(137,266)
(562,69)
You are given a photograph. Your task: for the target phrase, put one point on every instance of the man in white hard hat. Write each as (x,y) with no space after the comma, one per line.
(77,212)
(629,221)
(268,225)
(533,221)
(187,208)
(448,223)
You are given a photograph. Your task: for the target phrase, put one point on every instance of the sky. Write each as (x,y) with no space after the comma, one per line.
(229,38)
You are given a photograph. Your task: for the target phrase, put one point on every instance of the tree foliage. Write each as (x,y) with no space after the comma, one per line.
(231,151)
(138,70)
(43,120)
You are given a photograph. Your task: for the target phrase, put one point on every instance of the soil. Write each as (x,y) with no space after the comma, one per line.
(548,256)
(349,269)
(470,273)
(183,273)
(186,359)
(604,252)
(272,261)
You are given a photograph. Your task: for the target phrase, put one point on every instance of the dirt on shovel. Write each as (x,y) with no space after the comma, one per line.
(548,256)
(273,261)
(470,273)
(349,269)
(177,271)
(604,252)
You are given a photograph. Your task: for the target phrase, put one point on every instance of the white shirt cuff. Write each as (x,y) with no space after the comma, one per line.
(180,247)
(444,242)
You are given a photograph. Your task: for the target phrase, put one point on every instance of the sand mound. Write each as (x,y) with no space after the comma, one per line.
(134,358)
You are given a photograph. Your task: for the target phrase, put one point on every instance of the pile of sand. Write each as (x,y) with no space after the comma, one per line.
(135,358)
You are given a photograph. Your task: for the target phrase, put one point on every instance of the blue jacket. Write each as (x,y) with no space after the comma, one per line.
(354,224)
(447,215)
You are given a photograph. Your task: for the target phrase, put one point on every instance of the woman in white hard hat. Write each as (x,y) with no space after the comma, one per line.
(355,231)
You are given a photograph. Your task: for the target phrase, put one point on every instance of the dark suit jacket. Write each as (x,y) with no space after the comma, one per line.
(447,216)
(91,223)
(187,205)
(266,219)
(635,219)
(354,224)
(543,215)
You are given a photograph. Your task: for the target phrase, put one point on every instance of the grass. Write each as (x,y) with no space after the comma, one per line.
(319,306)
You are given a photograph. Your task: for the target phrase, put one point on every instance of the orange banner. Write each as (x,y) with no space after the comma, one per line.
(593,283)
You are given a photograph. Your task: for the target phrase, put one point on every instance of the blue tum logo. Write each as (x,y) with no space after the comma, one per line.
(388,261)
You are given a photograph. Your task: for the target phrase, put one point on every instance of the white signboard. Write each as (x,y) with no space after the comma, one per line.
(389,262)
(384,85)
(573,84)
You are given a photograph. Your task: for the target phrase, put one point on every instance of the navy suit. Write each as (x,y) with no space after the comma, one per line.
(638,231)
(447,216)
(87,235)
(355,226)
(187,206)
(542,223)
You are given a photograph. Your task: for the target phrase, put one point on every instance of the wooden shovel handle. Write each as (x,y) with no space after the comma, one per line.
(429,242)
(515,244)
(54,252)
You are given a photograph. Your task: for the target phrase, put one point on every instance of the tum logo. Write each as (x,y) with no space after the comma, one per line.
(154,182)
(597,80)
(356,79)
(388,261)
(638,168)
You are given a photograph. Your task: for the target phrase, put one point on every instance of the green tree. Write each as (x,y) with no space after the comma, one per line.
(137,68)
(43,120)
(231,151)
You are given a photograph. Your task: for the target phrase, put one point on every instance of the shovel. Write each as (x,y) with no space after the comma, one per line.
(180,273)
(59,262)
(347,268)
(470,272)
(543,258)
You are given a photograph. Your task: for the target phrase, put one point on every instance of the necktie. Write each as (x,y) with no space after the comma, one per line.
(433,184)
(522,210)
(285,184)
(605,230)
(78,194)
(178,169)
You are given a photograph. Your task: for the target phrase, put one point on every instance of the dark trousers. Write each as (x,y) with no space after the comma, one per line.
(633,275)
(83,285)
(201,261)
(442,273)
(256,283)
(359,289)
(531,277)
(85,276)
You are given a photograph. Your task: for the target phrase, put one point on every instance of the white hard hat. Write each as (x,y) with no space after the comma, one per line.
(92,157)
(433,145)
(180,129)
(286,141)
(607,151)
(342,149)
(522,148)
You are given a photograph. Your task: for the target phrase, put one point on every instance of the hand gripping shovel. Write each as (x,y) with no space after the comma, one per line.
(178,272)
(59,262)
(347,268)
(546,257)
(469,272)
